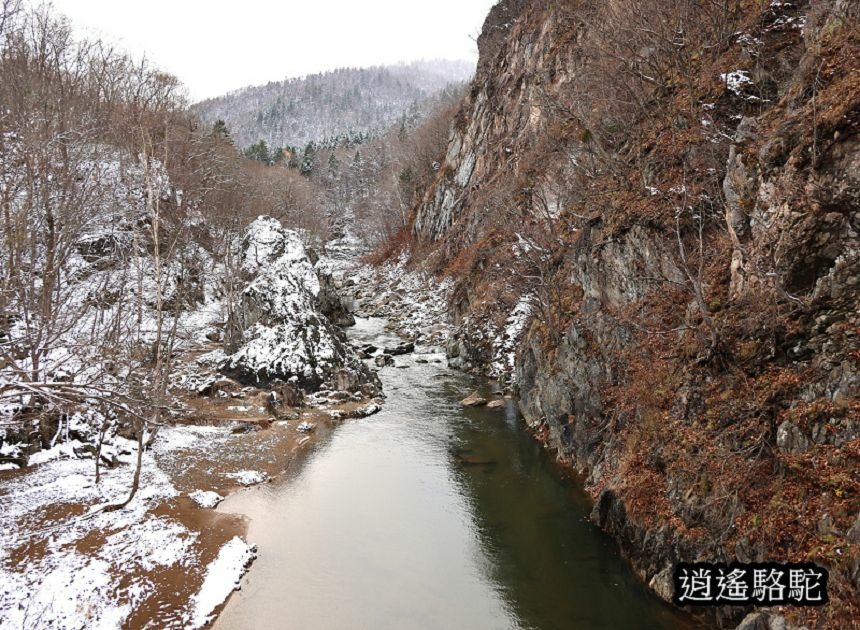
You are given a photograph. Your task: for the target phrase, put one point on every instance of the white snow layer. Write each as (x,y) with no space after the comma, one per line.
(223,576)
(504,345)
(64,588)
(249,477)
(61,587)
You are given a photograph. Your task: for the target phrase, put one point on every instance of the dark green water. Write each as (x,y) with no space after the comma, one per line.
(429,516)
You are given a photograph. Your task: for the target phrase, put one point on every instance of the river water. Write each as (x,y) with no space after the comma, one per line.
(430,516)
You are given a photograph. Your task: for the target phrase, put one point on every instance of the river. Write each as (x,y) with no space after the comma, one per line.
(430,516)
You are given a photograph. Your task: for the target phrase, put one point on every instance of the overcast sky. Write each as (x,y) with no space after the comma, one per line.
(215,46)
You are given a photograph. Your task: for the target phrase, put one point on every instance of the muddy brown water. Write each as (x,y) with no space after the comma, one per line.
(430,516)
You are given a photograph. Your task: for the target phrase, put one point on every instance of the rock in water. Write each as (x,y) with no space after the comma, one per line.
(383,360)
(497,404)
(401,349)
(277,329)
(474,400)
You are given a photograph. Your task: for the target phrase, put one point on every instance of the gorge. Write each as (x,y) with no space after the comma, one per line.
(231,377)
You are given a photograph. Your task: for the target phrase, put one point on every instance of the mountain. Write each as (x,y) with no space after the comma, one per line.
(343,102)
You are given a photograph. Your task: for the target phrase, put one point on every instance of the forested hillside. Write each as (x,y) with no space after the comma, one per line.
(343,106)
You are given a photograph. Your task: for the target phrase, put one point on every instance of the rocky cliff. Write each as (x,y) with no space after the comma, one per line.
(651,212)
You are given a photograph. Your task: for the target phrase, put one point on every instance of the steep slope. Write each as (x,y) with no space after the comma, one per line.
(671,193)
(344,102)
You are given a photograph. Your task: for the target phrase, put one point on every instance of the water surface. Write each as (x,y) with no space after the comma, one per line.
(429,516)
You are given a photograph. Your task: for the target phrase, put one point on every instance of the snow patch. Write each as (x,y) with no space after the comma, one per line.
(737,81)
(205,499)
(223,576)
(505,345)
(249,477)
(63,588)
(156,542)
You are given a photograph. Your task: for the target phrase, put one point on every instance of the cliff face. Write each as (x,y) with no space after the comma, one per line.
(679,214)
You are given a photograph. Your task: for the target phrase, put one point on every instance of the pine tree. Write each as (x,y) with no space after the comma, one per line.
(293,161)
(276,156)
(220,131)
(333,165)
(309,159)
(259,152)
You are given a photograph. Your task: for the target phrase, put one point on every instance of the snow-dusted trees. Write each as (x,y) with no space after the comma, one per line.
(53,174)
(116,208)
(83,291)
(376,182)
(339,106)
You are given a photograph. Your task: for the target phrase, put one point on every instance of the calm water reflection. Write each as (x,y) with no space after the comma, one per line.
(426,516)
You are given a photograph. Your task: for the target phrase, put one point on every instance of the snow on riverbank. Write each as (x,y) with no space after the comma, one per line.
(205,498)
(65,562)
(505,342)
(222,578)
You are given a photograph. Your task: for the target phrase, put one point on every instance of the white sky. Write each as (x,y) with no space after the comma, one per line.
(214,46)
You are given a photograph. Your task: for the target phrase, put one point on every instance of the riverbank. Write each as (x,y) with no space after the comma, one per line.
(167,559)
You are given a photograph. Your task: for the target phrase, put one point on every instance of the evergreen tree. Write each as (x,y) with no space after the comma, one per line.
(403,133)
(259,152)
(220,131)
(309,159)
(333,166)
(293,161)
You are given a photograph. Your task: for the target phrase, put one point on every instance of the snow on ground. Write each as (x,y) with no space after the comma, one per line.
(222,577)
(741,84)
(736,80)
(65,588)
(187,436)
(65,566)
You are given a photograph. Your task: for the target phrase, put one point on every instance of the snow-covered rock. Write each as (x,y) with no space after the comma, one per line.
(205,499)
(277,330)
(415,303)
(332,303)
(249,477)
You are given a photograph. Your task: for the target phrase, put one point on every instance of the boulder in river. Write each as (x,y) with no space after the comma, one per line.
(277,328)
(474,400)
(383,360)
(401,349)
(497,404)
